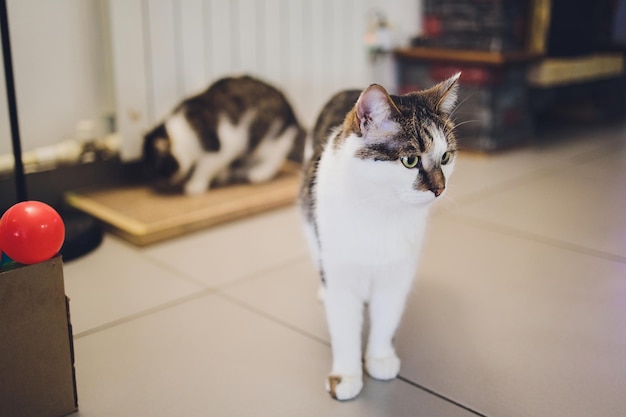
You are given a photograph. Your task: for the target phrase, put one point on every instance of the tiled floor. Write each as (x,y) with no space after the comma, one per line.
(519,308)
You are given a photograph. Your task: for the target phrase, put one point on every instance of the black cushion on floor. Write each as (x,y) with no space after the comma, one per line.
(83,234)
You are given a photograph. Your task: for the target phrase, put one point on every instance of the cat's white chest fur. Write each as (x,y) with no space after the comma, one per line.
(360,217)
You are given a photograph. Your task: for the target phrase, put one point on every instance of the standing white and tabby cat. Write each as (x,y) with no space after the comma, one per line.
(238,129)
(378,163)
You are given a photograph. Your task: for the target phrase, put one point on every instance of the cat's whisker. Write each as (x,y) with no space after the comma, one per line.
(466,122)
(458,106)
(449,198)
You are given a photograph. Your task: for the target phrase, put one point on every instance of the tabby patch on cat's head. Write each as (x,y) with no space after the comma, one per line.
(413,132)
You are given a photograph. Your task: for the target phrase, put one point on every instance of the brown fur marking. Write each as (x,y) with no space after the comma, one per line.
(333,381)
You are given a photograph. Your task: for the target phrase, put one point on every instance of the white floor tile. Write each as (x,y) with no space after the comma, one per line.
(510,327)
(210,357)
(502,325)
(288,295)
(479,175)
(235,250)
(582,205)
(114,282)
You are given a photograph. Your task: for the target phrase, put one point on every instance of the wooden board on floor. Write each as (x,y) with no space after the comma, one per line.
(143,216)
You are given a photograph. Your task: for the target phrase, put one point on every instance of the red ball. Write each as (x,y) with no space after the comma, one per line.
(31,232)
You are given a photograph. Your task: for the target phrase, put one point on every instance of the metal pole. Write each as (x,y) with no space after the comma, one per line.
(20,179)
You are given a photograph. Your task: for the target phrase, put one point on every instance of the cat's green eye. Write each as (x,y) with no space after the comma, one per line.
(410,161)
(446,158)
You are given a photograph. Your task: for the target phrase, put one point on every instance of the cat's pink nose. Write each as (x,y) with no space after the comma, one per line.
(438,191)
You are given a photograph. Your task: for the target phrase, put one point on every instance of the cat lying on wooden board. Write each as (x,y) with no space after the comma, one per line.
(378,163)
(240,129)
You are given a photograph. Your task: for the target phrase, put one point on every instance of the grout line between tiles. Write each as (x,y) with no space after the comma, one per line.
(159,263)
(206,290)
(260,273)
(144,313)
(273,319)
(595,153)
(436,394)
(518,233)
(491,191)
(179,273)
(317,339)
(502,187)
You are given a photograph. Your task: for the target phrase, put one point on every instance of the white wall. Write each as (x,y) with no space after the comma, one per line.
(60,66)
(64,59)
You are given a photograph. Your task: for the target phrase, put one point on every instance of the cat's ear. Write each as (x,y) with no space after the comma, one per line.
(444,95)
(373,109)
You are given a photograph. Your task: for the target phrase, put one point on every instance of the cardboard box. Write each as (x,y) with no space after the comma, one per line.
(36,350)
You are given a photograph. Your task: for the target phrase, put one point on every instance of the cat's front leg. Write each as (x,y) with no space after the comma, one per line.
(386,306)
(344,313)
(195,188)
(207,167)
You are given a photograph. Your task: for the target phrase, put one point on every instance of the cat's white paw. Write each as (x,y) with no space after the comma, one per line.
(383,368)
(344,387)
(195,188)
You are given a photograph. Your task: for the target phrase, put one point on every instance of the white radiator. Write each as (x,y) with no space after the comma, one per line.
(165,50)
